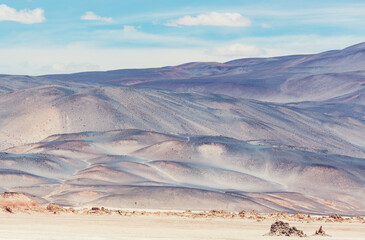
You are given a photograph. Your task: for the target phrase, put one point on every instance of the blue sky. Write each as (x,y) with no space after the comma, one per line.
(46,36)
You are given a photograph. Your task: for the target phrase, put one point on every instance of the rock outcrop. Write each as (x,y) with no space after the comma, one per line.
(52,207)
(12,202)
(321,232)
(281,228)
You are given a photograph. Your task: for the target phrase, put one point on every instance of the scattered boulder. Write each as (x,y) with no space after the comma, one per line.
(321,232)
(360,219)
(218,213)
(52,207)
(242,214)
(99,211)
(299,215)
(336,218)
(281,228)
(254,213)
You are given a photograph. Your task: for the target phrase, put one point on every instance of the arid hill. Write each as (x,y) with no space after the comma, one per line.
(283,134)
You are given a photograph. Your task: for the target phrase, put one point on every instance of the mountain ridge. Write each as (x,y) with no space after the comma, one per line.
(275,134)
(256,78)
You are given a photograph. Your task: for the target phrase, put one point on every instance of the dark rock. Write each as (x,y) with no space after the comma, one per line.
(9,210)
(281,228)
(336,217)
(320,232)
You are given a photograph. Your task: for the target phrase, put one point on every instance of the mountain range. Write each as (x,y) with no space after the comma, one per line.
(267,134)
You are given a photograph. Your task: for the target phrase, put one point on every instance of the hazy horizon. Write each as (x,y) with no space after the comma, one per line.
(42,37)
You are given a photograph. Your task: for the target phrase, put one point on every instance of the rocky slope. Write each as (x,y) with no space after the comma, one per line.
(298,143)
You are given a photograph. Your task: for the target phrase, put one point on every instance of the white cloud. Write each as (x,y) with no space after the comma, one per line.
(129,29)
(266,25)
(347,14)
(212,19)
(91,16)
(26,16)
(92,56)
(130,35)
(237,50)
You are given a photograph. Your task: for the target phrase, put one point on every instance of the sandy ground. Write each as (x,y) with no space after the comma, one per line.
(55,227)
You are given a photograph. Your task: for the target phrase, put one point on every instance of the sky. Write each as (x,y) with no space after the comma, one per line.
(48,36)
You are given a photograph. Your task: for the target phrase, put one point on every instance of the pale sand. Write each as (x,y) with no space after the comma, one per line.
(86,227)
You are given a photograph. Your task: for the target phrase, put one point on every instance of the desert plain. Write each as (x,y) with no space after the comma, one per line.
(41,226)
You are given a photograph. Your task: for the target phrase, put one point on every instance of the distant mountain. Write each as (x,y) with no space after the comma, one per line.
(270,134)
(281,79)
